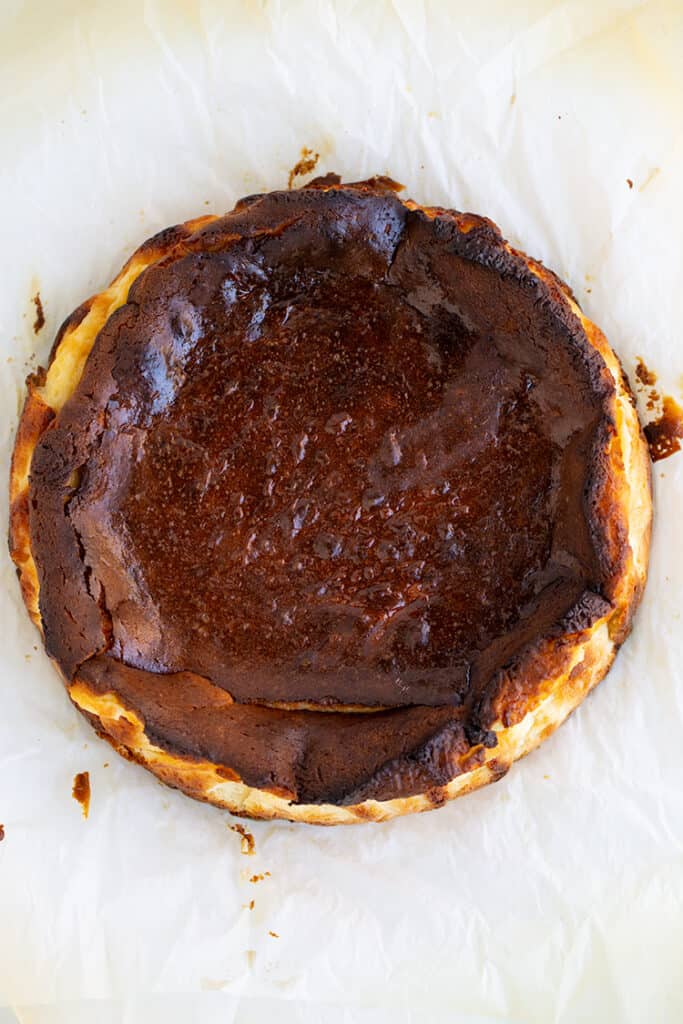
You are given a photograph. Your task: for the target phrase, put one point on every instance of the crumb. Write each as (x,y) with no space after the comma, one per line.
(2,833)
(588,291)
(106,764)
(303,166)
(27,657)
(274,934)
(81,791)
(664,435)
(39,321)
(260,877)
(629,183)
(644,374)
(546,776)
(248,844)
(513,99)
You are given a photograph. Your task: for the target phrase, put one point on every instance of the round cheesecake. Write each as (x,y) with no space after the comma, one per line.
(332,507)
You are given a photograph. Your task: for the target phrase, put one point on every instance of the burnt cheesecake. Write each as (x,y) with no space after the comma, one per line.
(332,507)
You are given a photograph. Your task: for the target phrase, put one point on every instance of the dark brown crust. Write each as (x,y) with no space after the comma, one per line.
(188,716)
(445,744)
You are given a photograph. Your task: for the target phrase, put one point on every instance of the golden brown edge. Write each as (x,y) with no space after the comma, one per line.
(579,666)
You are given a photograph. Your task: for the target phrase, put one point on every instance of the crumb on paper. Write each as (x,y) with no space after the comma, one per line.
(260,876)
(106,764)
(644,374)
(664,434)
(80,791)
(2,833)
(513,99)
(248,844)
(629,182)
(251,956)
(304,165)
(249,906)
(39,321)
(274,935)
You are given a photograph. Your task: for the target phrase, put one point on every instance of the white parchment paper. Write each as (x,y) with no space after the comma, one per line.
(556,896)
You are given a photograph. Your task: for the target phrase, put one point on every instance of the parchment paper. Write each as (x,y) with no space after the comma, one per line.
(555,896)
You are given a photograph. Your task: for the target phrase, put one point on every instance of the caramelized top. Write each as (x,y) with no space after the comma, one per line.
(332,450)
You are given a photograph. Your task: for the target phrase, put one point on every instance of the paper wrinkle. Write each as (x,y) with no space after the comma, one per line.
(554,896)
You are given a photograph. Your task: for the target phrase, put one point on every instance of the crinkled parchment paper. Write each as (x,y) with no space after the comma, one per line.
(555,896)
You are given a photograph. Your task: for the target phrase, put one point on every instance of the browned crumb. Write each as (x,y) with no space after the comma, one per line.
(248,844)
(303,166)
(645,375)
(251,904)
(274,934)
(260,877)
(629,183)
(664,434)
(2,833)
(39,321)
(81,791)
